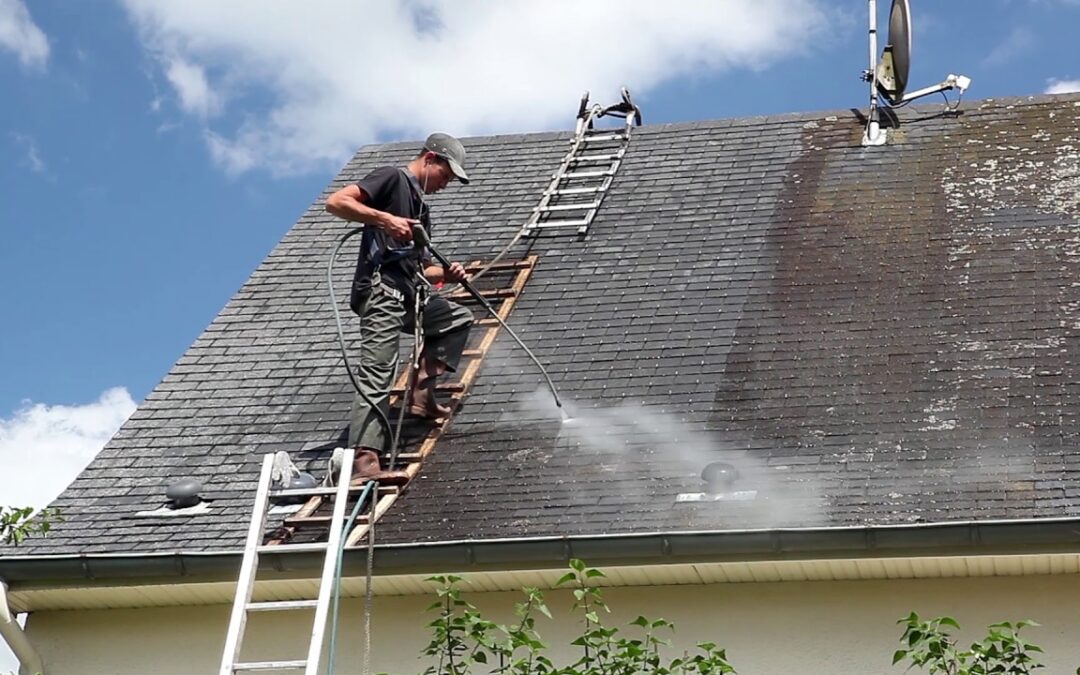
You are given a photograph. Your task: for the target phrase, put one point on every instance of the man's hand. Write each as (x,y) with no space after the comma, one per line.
(397,227)
(455,273)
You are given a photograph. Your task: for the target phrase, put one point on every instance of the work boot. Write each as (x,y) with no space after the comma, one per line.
(422,401)
(366,467)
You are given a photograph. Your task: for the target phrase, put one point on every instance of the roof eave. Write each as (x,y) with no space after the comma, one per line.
(1000,537)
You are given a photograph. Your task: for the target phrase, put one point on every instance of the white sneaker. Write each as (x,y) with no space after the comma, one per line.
(333,470)
(283,472)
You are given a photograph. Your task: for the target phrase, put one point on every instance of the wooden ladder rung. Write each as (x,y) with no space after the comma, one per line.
(295,521)
(448,387)
(499,267)
(497,294)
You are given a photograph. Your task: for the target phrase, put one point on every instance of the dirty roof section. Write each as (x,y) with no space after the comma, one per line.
(867,336)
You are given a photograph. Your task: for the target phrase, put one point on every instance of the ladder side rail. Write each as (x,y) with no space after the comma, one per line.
(246,583)
(330,567)
(631,117)
(584,124)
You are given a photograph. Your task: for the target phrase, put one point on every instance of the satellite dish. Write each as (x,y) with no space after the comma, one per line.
(889,77)
(892,73)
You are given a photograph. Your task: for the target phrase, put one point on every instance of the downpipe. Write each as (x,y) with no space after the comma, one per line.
(29,660)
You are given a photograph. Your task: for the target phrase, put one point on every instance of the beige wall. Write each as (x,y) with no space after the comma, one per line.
(839,628)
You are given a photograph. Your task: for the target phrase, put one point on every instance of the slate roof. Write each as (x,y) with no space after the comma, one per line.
(872,336)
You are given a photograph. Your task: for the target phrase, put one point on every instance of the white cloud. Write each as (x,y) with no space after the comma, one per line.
(189,81)
(44,447)
(1021,39)
(19,34)
(314,80)
(31,155)
(1055,86)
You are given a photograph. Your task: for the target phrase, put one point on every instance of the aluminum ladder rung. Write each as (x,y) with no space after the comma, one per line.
(302,492)
(577,175)
(568,207)
(596,158)
(281,605)
(293,548)
(270,665)
(593,138)
(574,191)
(319,492)
(563,223)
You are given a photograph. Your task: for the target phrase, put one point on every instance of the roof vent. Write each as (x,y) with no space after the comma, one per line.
(720,478)
(184,493)
(183,499)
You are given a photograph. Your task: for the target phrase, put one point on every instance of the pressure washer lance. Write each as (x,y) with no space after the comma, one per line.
(421,239)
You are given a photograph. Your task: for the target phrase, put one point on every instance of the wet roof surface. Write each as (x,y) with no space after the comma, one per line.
(869,336)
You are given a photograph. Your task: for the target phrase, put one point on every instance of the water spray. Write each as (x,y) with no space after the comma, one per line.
(420,238)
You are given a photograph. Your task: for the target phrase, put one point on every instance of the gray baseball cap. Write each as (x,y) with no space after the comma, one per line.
(450,149)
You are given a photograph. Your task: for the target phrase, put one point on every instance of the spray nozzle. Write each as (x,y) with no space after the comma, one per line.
(420,237)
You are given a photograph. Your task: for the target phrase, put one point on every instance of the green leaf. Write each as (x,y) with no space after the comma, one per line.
(949,621)
(913,637)
(591,573)
(565,579)
(899,656)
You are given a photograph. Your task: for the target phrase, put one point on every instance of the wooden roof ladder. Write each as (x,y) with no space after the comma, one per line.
(504,283)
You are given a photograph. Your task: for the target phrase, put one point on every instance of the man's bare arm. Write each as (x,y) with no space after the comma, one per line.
(349,203)
(436,274)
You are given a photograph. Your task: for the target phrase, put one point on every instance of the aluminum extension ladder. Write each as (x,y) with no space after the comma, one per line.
(242,605)
(583,178)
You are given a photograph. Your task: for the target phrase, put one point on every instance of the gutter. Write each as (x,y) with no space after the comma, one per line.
(970,538)
(29,660)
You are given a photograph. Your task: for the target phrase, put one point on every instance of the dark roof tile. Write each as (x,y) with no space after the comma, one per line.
(873,336)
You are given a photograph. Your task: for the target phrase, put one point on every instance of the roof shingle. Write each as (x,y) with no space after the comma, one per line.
(872,336)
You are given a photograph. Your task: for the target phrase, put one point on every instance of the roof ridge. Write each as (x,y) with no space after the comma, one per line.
(740,121)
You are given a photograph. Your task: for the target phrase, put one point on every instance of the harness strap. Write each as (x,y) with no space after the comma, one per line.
(380,256)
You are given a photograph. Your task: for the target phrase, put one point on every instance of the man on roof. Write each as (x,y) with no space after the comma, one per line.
(389,202)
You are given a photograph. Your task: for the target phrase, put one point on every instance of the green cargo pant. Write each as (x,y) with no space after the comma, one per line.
(445,328)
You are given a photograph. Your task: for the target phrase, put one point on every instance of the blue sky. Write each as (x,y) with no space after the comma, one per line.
(151,153)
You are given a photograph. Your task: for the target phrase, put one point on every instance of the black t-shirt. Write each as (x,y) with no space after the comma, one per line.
(388,189)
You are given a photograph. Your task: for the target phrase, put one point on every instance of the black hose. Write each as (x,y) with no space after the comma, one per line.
(420,236)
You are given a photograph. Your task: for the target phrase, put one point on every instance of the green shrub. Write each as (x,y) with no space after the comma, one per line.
(462,638)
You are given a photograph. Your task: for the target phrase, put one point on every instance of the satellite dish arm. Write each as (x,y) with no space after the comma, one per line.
(959,82)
